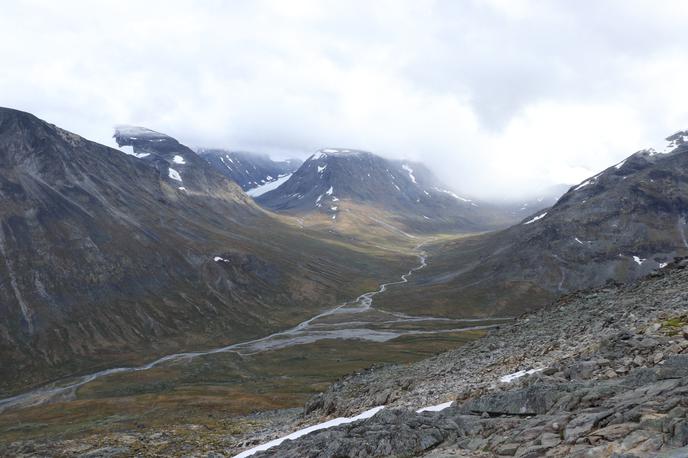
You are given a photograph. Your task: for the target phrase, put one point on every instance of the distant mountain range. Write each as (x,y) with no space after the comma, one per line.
(336,182)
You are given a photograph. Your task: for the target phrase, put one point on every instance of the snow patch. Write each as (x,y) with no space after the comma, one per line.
(582,185)
(174,174)
(638,260)
(220,259)
(410,172)
(269,186)
(330,191)
(128,149)
(539,217)
(516,375)
(310,429)
(321,168)
(178,160)
(436,408)
(452,194)
(662,265)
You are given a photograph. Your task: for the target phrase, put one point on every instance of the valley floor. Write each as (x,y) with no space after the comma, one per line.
(192,400)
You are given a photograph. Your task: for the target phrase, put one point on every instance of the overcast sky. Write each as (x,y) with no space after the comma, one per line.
(499,98)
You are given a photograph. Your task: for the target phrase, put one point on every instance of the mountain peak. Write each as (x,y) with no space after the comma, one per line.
(334,152)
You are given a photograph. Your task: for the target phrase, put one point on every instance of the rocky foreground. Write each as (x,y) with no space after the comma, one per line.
(611,380)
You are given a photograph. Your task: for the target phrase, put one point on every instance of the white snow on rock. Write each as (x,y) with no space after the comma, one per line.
(330,191)
(174,174)
(436,408)
(539,217)
(135,132)
(463,199)
(178,160)
(128,149)
(321,168)
(310,429)
(516,375)
(638,260)
(219,259)
(410,172)
(269,186)
(582,185)
(182,188)
(662,265)
(620,164)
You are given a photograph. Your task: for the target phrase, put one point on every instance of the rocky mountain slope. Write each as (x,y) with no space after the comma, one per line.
(334,182)
(108,258)
(600,373)
(248,170)
(618,225)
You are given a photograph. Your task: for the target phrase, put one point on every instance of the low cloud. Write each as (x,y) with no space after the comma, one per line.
(497,97)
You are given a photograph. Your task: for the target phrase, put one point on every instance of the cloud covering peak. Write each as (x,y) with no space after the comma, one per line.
(498,97)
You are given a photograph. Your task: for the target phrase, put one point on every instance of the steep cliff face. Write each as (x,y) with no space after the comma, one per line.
(108,258)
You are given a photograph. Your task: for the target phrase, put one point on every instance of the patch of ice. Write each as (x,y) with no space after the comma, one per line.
(335,199)
(174,174)
(436,408)
(410,172)
(539,217)
(269,186)
(662,265)
(516,375)
(178,160)
(220,259)
(638,260)
(182,188)
(329,191)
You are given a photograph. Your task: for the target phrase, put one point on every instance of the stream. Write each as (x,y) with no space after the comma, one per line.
(354,320)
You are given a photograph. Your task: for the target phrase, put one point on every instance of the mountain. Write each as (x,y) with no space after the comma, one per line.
(618,225)
(109,258)
(248,170)
(335,182)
